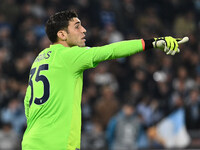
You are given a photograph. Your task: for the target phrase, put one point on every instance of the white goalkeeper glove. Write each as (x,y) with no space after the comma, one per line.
(169,44)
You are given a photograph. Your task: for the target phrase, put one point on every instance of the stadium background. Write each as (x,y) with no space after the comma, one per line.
(154,84)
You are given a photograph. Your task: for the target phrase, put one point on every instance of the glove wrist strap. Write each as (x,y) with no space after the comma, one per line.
(149,44)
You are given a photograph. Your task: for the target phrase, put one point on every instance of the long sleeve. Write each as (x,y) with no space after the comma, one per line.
(117,50)
(82,58)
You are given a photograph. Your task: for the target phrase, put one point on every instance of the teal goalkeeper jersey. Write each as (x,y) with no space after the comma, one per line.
(53,96)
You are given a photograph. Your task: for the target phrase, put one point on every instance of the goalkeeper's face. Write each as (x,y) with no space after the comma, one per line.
(75,33)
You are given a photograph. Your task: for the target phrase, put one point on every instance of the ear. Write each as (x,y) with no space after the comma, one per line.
(62,35)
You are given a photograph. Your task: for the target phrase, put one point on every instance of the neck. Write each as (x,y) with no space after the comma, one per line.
(64,43)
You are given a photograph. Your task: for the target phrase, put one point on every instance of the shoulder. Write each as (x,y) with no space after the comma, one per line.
(119,115)
(74,50)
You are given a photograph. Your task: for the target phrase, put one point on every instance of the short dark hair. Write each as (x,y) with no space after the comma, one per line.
(58,22)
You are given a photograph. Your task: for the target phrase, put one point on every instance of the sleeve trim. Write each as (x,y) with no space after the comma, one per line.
(143,44)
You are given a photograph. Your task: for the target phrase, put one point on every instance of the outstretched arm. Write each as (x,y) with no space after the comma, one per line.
(169,45)
(82,58)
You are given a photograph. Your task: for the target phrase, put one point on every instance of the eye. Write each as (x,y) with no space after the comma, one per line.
(77,26)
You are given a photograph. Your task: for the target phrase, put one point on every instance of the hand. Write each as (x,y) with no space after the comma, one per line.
(169,44)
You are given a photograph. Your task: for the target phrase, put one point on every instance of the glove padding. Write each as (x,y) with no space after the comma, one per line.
(169,44)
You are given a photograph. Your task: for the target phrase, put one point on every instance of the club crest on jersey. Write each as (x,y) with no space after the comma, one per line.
(87,47)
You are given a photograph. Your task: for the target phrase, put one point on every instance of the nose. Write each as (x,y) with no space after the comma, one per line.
(84,30)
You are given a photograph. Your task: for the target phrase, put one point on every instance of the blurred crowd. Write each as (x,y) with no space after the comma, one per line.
(122,98)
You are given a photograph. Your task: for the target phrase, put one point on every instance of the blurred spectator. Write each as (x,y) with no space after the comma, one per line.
(12,13)
(88,99)
(19,68)
(37,9)
(4,93)
(193,110)
(163,94)
(39,28)
(150,111)
(167,67)
(29,40)
(137,61)
(188,19)
(124,129)
(103,77)
(197,81)
(157,112)
(94,37)
(128,14)
(95,139)
(14,114)
(143,108)
(5,39)
(148,23)
(13,88)
(176,101)
(135,93)
(107,15)
(8,138)
(44,43)
(111,34)
(83,3)
(106,106)
(4,57)
(183,83)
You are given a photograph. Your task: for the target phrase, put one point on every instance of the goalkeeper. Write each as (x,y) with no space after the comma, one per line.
(53,97)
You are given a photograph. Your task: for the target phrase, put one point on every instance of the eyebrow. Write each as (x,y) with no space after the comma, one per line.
(78,22)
